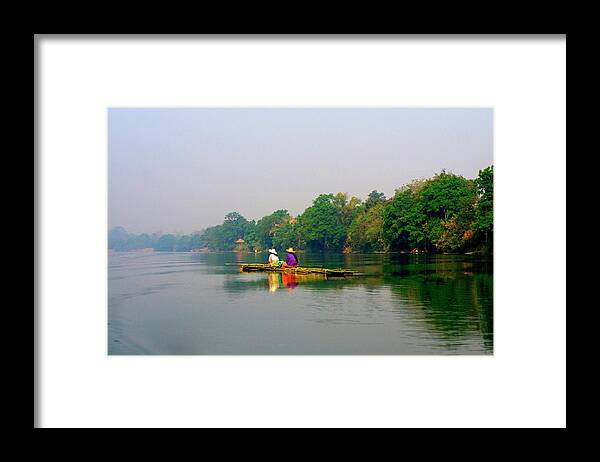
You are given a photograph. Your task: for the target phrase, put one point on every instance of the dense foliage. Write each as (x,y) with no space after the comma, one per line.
(446,213)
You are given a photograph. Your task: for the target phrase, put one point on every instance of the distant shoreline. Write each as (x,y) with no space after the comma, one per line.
(445,214)
(400,252)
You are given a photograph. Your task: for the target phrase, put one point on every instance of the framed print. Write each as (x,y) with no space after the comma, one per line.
(287,232)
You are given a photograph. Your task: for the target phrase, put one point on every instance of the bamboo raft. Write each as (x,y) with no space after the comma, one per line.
(338,272)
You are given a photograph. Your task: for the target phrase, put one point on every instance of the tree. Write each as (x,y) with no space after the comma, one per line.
(347,209)
(166,243)
(366,231)
(234,227)
(117,238)
(268,225)
(449,201)
(404,218)
(446,213)
(321,224)
(374,198)
(484,212)
(446,194)
(196,240)
(213,238)
(183,243)
(288,235)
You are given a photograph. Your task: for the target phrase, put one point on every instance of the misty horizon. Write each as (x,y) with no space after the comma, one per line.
(178,171)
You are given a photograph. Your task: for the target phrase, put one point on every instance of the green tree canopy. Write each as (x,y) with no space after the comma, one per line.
(268,225)
(445,213)
(404,218)
(366,231)
(347,209)
(449,202)
(321,224)
(374,198)
(484,214)
(288,235)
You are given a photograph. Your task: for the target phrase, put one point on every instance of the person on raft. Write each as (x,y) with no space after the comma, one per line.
(291,261)
(273,257)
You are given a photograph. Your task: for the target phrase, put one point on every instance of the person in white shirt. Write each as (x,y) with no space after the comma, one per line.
(273,258)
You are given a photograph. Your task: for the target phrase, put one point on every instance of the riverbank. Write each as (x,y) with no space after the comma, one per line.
(302,252)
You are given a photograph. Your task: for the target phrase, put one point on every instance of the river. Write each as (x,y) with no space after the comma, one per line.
(165,303)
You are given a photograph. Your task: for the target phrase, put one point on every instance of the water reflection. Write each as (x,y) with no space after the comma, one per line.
(176,303)
(453,306)
(285,280)
(274,281)
(450,297)
(289,280)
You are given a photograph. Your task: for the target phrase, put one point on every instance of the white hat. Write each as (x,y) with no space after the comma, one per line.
(273,251)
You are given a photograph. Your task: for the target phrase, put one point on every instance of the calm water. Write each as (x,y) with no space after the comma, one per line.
(184,303)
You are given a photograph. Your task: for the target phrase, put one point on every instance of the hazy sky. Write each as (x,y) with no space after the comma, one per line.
(180,170)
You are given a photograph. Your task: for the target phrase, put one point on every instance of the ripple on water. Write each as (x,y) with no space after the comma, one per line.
(195,304)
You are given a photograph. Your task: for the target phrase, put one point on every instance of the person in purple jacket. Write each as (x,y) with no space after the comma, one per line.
(291,260)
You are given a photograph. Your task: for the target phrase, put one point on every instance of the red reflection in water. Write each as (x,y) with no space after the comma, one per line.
(289,280)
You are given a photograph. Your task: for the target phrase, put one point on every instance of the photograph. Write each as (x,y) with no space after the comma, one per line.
(300,231)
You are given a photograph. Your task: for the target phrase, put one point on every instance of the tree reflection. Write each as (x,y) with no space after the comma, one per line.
(453,306)
(449,296)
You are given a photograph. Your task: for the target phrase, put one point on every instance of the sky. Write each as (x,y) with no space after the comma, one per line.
(179,170)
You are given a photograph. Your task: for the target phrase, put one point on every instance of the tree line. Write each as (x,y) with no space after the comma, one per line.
(445,213)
